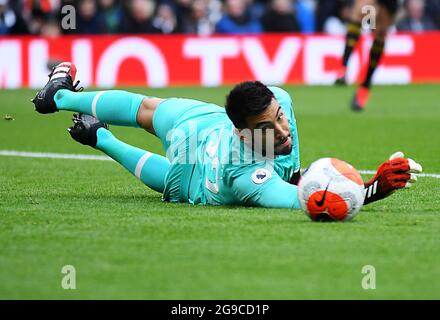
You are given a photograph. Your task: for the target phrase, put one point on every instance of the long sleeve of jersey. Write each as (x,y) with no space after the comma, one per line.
(261,186)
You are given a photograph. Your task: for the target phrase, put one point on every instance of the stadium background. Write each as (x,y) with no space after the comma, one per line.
(124,242)
(292,52)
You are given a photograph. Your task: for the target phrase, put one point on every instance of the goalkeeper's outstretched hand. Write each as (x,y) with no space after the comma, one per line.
(396,173)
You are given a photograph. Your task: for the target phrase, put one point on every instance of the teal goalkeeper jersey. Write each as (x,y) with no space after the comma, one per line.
(227,172)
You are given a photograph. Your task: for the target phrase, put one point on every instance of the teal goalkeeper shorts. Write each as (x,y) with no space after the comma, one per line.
(173,112)
(177,113)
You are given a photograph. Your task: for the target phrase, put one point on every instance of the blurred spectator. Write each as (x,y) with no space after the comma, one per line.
(165,20)
(50,27)
(215,10)
(258,7)
(280,17)
(415,20)
(11,21)
(139,18)
(88,20)
(39,13)
(335,24)
(324,10)
(111,16)
(39,18)
(237,19)
(433,11)
(197,21)
(181,7)
(305,15)
(201,17)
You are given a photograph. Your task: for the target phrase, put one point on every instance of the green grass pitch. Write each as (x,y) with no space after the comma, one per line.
(126,244)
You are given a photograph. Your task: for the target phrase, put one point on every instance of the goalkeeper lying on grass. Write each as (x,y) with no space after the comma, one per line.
(244,154)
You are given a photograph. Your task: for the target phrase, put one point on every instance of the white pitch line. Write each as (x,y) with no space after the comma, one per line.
(50,155)
(367,171)
(431,175)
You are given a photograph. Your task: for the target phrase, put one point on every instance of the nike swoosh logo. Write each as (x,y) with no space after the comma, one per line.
(321,202)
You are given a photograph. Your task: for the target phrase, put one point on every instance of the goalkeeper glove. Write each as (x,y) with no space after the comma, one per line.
(396,173)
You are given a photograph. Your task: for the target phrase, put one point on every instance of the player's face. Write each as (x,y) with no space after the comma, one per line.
(272,129)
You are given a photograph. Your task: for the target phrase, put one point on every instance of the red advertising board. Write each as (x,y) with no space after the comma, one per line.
(159,61)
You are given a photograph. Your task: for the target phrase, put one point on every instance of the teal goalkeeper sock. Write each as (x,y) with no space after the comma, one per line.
(113,107)
(150,168)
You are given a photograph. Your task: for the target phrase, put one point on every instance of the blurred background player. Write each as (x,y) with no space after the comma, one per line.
(385,15)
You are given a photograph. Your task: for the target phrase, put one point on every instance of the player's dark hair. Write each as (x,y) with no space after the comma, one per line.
(247,99)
